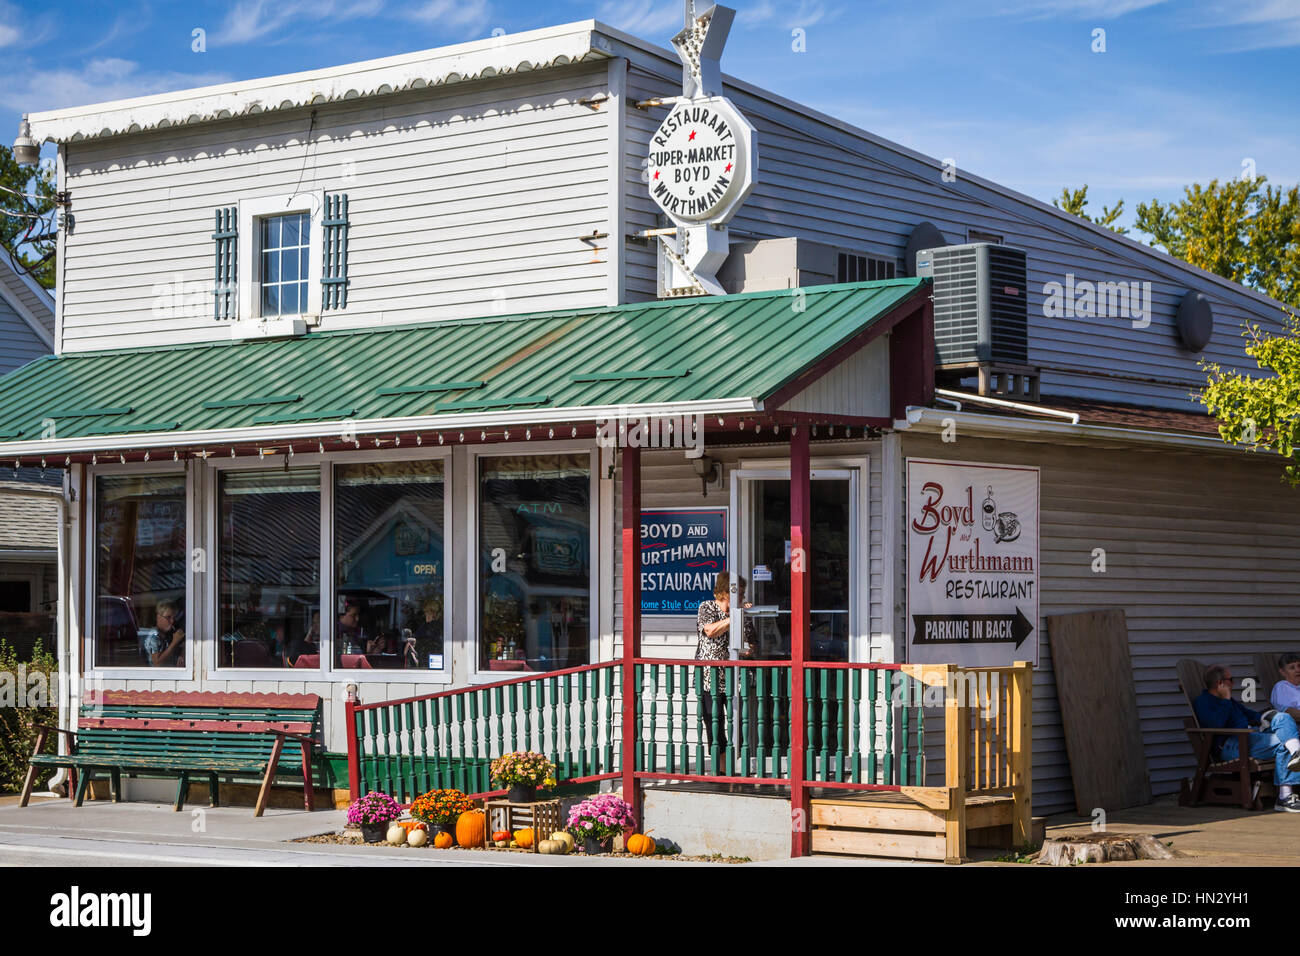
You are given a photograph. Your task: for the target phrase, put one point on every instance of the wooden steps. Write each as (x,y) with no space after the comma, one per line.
(898,826)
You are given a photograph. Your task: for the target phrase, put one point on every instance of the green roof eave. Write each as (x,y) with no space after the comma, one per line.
(729,351)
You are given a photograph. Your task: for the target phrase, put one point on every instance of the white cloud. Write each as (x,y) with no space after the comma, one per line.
(805,14)
(1076,9)
(655,20)
(252,20)
(1254,24)
(465,16)
(98,81)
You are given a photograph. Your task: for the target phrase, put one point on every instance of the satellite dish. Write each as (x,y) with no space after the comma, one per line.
(1195,321)
(925,235)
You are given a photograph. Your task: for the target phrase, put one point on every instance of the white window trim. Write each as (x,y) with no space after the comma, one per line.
(327,671)
(404,676)
(858,470)
(250,253)
(505,450)
(194,632)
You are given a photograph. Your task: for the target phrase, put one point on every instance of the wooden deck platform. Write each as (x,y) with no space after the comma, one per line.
(903,825)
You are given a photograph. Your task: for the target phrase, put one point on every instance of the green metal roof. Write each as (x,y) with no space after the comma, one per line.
(686,350)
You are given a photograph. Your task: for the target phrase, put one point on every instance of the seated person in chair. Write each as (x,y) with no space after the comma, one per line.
(1275,736)
(1286,692)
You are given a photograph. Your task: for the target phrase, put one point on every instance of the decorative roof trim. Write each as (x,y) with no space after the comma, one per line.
(494,56)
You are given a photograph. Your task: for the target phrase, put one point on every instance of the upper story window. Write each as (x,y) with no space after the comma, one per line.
(280,241)
(285,249)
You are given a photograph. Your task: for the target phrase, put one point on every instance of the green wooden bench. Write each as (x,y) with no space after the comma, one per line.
(161,733)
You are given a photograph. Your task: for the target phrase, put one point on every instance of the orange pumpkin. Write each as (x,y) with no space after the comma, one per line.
(525,838)
(443,840)
(640,844)
(409,825)
(500,835)
(471,828)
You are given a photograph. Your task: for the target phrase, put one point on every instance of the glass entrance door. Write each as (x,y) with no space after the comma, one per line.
(764,559)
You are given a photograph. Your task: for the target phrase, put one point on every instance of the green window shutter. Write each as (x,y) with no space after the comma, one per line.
(334,275)
(226,274)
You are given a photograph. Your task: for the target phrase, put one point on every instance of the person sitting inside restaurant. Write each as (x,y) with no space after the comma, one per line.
(167,647)
(350,635)
(1286,692)
(426,640)
(309,643)
(1275,737)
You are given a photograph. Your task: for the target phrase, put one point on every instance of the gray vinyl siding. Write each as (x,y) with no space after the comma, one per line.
(821,183)
(1200,555)
(464,201)
(19,343)
(37,301)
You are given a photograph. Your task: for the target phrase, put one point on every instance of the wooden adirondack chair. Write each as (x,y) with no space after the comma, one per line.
(1266,676)
(1242,782)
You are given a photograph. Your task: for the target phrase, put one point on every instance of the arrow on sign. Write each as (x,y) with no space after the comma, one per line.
(971,628)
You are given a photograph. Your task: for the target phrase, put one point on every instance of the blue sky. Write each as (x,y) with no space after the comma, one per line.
(1012,90)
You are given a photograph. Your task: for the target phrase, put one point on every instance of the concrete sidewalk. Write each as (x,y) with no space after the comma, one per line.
(52,832)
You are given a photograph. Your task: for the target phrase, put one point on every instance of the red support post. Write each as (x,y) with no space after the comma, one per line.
(631,621)
(354,745)
(800,625)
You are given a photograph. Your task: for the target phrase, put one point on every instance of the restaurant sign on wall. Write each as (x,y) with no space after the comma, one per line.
(682,551)
(972,563)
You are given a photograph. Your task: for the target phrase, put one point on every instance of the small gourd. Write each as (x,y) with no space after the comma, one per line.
(499,835)
(557,847)
(417,837)
(396,835)
(524,838)
(640,844)
(565,837)
(443,840)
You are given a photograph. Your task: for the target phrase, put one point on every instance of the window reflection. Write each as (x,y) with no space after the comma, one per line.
(389,572)
(534,533)
(140,562)
(268,590)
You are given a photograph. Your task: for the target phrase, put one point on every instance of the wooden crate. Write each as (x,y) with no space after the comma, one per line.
(543,816)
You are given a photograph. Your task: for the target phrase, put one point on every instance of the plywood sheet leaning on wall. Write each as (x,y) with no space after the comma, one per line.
(1094,684)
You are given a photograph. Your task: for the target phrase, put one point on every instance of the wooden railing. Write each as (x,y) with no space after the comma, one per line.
(988,744)
(863,723)
(864,729)
(409,746)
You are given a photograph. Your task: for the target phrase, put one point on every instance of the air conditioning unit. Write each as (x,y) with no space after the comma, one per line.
(981,309)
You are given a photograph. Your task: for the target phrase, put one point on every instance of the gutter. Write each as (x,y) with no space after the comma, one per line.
(61,499)
(931,420)
(269,434)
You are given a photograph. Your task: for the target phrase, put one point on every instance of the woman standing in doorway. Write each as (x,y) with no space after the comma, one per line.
(713,633)
(712,628)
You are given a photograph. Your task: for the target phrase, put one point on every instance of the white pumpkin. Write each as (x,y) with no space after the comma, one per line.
(417,838)
(396,835)
(565,837)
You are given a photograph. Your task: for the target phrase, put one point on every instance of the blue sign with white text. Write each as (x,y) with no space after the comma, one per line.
(682,551)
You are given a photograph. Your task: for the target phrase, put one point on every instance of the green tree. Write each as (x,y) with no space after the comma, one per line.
(1075,202)
(1261,412)
(27,226)
(1241,229)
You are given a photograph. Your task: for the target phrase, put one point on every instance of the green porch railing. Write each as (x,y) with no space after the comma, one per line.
(449,739)
(864,727)
(864,723)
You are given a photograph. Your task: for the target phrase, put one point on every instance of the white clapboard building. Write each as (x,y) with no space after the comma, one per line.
(334,352)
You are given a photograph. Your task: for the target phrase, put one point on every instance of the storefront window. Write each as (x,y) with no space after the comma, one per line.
(389,554)
(140,566)
(534,534)
(268,583)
